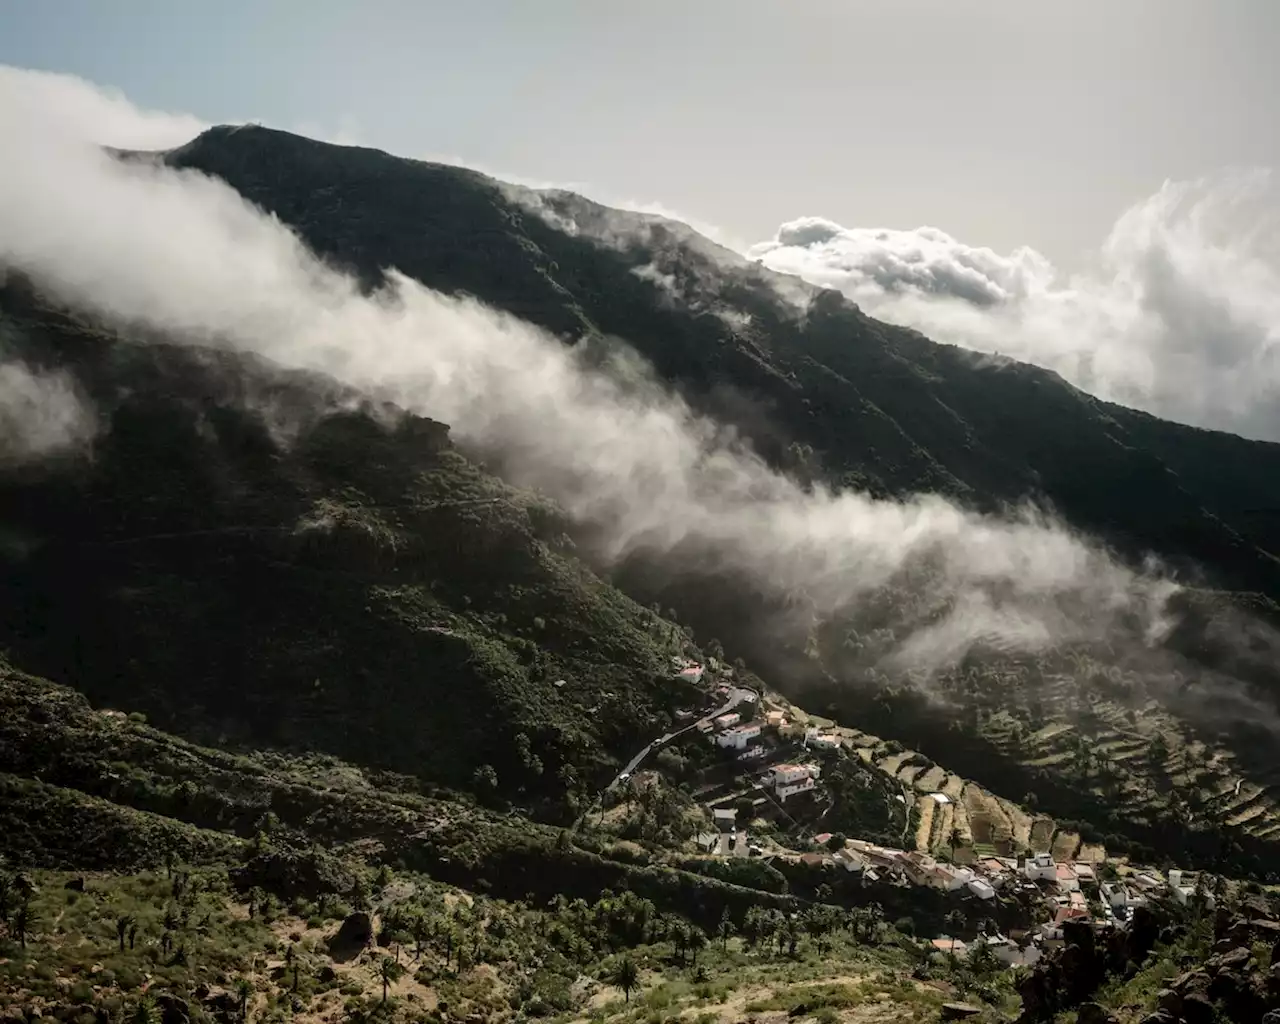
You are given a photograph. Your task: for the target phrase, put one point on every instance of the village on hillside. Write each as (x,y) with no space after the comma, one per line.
(764,797)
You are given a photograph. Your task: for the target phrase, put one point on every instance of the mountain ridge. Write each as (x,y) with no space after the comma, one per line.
(452,625)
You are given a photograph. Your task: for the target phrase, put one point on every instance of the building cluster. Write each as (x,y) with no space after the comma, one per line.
(1069,890)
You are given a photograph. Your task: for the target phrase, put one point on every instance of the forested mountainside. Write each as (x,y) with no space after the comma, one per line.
(262,557)
(258,558)
(302,682)
(829,394)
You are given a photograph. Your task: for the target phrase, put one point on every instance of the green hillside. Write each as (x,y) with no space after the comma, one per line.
(254,558)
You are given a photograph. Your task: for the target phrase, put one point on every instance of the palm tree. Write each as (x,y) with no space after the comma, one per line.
(143,1012)
(697,940)
(243,989)
(257,902)
(955,921)
(956,838)
(292,961)
(724,930)
(388,971)
(421,928)
(679,933)
(22,921)
(871,919)
(626,976)
(8,898)
(123,923)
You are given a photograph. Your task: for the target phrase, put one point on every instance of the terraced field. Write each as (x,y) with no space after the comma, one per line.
(1139,758)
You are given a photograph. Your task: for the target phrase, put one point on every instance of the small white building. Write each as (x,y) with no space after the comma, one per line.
(1066,877)
(739,736)
(802,786)
(1041,868)
(951,878)
(728,721)
(815,738)
(1121,897)
(691,673)
(1010,953)
(981,888)
(788,774)
(849,860)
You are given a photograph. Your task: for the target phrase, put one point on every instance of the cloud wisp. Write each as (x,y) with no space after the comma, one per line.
(42,414)
(1178,315)
(174,250)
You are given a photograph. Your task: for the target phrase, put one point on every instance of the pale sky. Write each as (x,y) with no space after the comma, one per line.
(1002,122)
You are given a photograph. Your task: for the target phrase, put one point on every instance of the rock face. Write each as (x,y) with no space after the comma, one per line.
(1071,976)
(1228,985)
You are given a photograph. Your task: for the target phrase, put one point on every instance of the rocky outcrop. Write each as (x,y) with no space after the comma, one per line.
(1071,976)
(1227,985)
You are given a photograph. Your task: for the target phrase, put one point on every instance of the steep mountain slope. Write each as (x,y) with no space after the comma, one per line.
(264,558)
(258,557)
(882,407)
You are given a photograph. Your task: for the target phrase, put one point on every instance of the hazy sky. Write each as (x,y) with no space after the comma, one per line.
(1003,122)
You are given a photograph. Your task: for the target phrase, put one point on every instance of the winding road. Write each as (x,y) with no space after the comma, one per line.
(736,695)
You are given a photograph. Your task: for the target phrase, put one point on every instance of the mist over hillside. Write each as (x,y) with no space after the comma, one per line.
(856,510)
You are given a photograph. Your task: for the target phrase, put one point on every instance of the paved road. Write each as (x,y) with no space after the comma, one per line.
(737,695)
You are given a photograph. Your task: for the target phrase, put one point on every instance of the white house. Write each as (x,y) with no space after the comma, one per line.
(728,721)
(691,673)
(802,786)
(739,736)
(849,860)
(1010,953)
(982,889)
(725,818)
(951,878)
(1041,868)
(1121,897)
(813,737)
(787,774)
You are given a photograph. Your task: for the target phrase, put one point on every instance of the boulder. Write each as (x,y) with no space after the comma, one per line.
(172,1009)
(959,1011)
(1191,981)
(1198,1009)
(1168,999)
(75,885)
(1237,959)
(1093,1013)
(356,930)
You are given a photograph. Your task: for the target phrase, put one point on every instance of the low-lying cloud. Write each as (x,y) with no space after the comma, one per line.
(41,414)
(1179,313)
(175,250)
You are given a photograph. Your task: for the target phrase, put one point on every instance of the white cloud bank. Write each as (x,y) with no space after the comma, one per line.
(1178,315)
(184,253)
